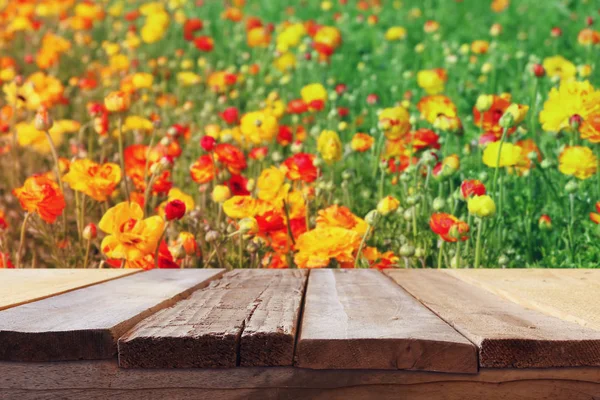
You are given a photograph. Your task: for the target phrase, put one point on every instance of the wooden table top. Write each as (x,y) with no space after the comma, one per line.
(451,321)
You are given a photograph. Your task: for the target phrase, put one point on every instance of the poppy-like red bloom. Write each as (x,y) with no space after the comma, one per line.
(285,135)
(372,99)
(175,209)
(231,156)
(450,228)
(40,194)
(190,27)
(400,163)
(208,143)
(204,43)
(238,185)
(230,115)
(472,187)
(301,167)
(297,106)
(490,119)
(424,138)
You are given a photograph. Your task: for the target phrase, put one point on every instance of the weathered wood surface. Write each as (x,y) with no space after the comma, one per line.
(360,319)
(103,379)
(20,286)
(86,323)
(507,334)
(568,294)
(249,317)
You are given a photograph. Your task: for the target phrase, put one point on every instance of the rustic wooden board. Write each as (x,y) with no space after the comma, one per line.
(104,380)
(355,319)
(85,323)
(569,294)
(249,317)
(507,334)
(20,286)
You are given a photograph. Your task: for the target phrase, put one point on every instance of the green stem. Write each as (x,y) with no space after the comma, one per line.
(22,240)
(478,243)
(440,254)
(362,245)
(457,257)
(122,157)
(494,181)
(87,253)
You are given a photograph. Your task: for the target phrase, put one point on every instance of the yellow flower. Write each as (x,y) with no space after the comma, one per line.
(117,101)
(285,62)
(142,80)
(509,156)
(387,205)
(518,112)
(259,127)
(578,161)
(571,98)
(137,123)
(270,184)
(290,37)
(313,92)
(28,136)
(317,247)
(329,146)
(395,122)
(342,217)
(95,180)
(432,80)
(130,236)
(221,193)
(560,67)
(38,90)
(482,206)
(395,33)
(245,206)
(187,78)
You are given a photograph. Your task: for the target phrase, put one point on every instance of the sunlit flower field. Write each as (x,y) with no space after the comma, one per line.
(299,134)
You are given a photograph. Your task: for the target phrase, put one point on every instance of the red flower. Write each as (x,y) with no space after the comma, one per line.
(258,153)
(230,115)
(297,106)
(472,187)
(425,138)
(343,112)
(190,27)
(301,167)
(175,209)
(204,43)
(285,135)
(450,228)
(490,119)
(372,99)
(5,261)
(208,143)
(237,185)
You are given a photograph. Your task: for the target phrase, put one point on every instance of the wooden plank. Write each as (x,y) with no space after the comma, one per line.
(507,334)
(20,286)
(104,380)
(568,294)
(85,323)
(356,319)
(247,318)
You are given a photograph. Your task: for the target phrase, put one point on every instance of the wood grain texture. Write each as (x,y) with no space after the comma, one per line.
(20,286)
(360,319)
(249,317)
(103,379)
(86,323)
(507,334)
(568,294)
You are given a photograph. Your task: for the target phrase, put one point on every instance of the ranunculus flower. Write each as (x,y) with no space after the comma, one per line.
(40,194)
(578,161)
(329,146)
(509,155)
(130,236)
(95,180)
(387,205)
(472,187)
(482,206)
(317,247)
(175,209)
(203,169)
(450,228)
(301,167)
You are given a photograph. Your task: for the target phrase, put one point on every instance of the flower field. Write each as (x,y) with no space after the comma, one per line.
(300,134)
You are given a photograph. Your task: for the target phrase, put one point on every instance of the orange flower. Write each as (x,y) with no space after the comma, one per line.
(588,37)
(203,170)
(449,227)
(274,261)
(472,187)
(431,107)
(362,142)
(95,180)
(490,119)
(424,138)
(316,248)
(527,146)
(301,167)
(231,156)
(43,196)
(340,216)
(590,128)
(379,260)
(117,101)
(595,217)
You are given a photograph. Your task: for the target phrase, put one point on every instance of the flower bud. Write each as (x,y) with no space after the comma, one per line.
(438,203)
(412,200)
(211,236)
(178,252)
(575,121)
(545,223)
(221,193)
(407,250)
(507,120)
(503,260)
(248,225)
(538,70)
(482,206)
(43,121)
(90,232)
(484,102)
(419,252)
(387,205)
(571,187)
(372,217)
